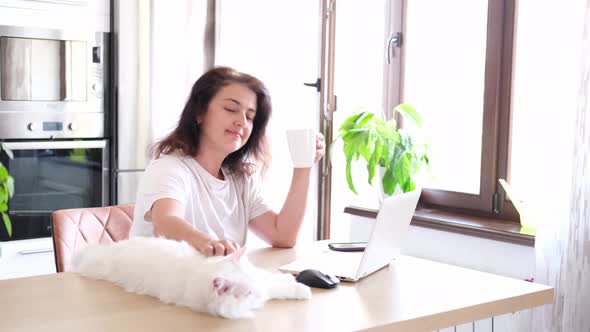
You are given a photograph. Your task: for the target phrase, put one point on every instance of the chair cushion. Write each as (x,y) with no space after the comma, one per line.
(74,229)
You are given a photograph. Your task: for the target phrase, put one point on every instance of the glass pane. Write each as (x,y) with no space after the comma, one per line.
(358,84)
(277,42)
(15,68)
(46,180)
(444,79)
(49,69)
(77,76)
(42,70)
(544,102)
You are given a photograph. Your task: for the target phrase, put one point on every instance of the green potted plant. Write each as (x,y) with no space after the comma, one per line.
(6,192)
(396,153)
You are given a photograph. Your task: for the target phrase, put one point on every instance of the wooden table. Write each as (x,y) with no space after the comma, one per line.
(410,295)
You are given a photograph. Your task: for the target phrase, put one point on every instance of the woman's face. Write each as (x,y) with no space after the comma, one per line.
(228,122)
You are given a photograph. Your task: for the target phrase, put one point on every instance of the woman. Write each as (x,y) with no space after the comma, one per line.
(201,187)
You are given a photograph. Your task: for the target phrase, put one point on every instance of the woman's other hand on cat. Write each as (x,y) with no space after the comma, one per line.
(218,248)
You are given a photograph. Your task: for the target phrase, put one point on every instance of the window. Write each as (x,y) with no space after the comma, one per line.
(456,69)
(454,65)
(464,95)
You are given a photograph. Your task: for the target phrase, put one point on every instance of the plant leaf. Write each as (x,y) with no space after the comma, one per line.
(366,147)
(10,184)
(3,193)
(375,157)
(380,143)
(8,152)
(408,111)
(349,153)
(389,182)
(349,177)
(3,174)
(386,129)
(350,122)
(351,134)
(7,224)
(402,171)
(409,186)
(396,154)
(364,120)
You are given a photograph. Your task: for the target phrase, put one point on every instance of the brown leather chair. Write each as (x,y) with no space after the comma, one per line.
(73,229)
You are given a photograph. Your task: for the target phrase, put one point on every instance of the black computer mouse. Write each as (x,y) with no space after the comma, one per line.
(315,278)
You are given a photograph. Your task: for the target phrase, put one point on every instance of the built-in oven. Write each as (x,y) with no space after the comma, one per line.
(52,175)
(53,107)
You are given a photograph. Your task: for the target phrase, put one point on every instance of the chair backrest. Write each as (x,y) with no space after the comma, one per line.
(74,229)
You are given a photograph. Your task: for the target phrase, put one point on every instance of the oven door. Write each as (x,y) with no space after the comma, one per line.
(53,175)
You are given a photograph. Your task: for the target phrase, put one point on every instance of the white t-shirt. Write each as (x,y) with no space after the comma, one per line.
(219,208)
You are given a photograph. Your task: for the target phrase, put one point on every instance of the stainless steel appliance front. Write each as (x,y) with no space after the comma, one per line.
(47,76)
(53,175)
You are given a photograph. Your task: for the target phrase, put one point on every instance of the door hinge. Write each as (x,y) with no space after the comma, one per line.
(496,203)
(330,8)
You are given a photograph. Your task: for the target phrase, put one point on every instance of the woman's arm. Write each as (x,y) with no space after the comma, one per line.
(281,230)
(166,215)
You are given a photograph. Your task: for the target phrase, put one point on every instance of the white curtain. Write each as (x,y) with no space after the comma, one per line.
(563,248)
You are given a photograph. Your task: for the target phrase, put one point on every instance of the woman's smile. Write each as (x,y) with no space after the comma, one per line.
(236,134)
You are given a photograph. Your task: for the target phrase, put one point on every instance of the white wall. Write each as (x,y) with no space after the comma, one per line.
(491,256)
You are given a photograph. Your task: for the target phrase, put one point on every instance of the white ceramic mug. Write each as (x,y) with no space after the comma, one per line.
(302,146)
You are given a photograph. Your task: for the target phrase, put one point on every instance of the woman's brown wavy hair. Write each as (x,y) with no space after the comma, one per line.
(185,138)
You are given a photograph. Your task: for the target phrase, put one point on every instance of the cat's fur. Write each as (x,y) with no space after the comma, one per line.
(176,273)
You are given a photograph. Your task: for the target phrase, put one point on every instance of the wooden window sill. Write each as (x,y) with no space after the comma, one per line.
(488,228)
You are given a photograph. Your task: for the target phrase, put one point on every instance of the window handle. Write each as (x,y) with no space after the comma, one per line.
(394,40)
(317,85)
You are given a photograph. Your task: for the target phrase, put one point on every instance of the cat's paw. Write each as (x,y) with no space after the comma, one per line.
(224,286)
(302,292)
(236,314)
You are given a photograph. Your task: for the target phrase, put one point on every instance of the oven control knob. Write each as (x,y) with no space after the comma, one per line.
(33,126)
(72,126)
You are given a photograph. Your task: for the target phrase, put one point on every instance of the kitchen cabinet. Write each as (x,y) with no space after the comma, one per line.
(57,14)
(25,258)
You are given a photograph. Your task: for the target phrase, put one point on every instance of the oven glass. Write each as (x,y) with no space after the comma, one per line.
(46,180)
(42,70)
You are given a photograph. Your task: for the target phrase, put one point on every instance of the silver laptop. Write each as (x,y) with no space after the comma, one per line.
(391,226)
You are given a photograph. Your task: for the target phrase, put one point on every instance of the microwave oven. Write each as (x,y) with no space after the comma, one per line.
(57,76)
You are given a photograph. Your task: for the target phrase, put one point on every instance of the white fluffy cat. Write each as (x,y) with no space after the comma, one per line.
(176,273)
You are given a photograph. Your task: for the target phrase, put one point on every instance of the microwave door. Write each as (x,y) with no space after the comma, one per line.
(43,70)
